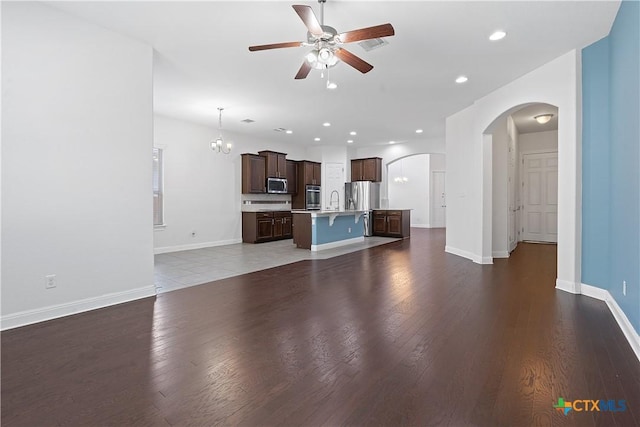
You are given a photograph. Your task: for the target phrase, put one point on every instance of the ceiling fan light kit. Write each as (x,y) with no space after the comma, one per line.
(325,42)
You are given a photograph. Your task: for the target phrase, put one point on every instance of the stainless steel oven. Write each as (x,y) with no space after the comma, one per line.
(312,197)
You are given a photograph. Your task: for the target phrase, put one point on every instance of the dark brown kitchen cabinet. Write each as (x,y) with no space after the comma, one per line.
(369,169)
(282,225)
(392,223)
(253,174)
(258,227)
(292,177)
(264,229)
(311,171)
(276,164)
(302,230)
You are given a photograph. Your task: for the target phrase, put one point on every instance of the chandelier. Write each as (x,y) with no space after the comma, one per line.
(218,145)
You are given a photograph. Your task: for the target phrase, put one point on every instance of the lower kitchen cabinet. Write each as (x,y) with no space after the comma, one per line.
(258,227)
(392,223)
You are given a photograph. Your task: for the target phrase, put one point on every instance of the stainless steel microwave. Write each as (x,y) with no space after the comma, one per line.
(277,185)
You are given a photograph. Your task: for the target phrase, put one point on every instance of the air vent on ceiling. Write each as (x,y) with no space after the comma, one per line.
(280,129)
(247,121)
(372,44)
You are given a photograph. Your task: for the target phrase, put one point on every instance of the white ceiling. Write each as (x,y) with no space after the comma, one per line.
(202,61)
(525,122)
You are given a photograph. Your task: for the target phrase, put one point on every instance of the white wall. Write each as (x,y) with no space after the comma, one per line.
(539,141)
(500,150)
(469,158)
(414,193)
(464,208)
(76,165)
(202,187)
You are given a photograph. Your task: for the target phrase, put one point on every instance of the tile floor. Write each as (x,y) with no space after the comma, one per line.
(178,270)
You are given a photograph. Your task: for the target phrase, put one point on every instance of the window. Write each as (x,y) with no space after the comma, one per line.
(158,188)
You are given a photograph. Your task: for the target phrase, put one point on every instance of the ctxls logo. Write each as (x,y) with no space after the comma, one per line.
(589,405)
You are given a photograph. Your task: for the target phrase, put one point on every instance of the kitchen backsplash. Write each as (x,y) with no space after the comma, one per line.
(260,202)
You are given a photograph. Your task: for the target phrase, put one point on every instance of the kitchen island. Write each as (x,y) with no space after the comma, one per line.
(317,230)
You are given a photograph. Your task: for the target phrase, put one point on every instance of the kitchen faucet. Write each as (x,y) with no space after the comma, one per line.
(331,199)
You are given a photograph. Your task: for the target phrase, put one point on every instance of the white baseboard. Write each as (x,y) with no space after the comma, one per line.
(500,254)
(567,286)
(315,248)
(178,248)
(466,254)
(623,321)
(420,226)
(29,317)
(594,292)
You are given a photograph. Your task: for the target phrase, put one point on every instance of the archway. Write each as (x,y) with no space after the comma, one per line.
(416,181)
(524,177)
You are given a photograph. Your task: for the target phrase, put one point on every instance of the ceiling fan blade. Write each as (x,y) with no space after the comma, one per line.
(384,30)
(353,60)
(274,46)
(303,72)
(309,19)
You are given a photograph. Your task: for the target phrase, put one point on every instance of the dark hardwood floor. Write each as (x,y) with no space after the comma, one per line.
(401,334)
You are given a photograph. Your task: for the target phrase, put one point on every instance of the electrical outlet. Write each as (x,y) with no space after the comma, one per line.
(193,233)
(50,281)
(624,287)
(349,229)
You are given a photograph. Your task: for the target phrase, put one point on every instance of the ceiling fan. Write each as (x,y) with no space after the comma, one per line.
(326,42)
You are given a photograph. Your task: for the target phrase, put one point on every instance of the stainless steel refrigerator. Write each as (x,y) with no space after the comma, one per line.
(363,196)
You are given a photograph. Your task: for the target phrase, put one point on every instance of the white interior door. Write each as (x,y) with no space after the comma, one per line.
(540,197)
(438,201)
(333,185)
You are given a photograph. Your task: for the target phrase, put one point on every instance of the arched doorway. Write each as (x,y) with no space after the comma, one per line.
(524,176)
(417,182)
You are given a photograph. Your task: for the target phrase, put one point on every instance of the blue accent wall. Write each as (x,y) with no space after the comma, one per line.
(596,169)
(611,161)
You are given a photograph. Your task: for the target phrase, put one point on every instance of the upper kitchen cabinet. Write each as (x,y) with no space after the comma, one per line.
(253,174)
(292,176)
(276,164)
(310,171)
(369,169)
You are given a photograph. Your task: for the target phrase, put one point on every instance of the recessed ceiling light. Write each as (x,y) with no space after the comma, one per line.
(461,79)
(349,141)
(316,139)
(418,130)
(392,142)
(289,131)
(498,35)
(326,124)
(353,132)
